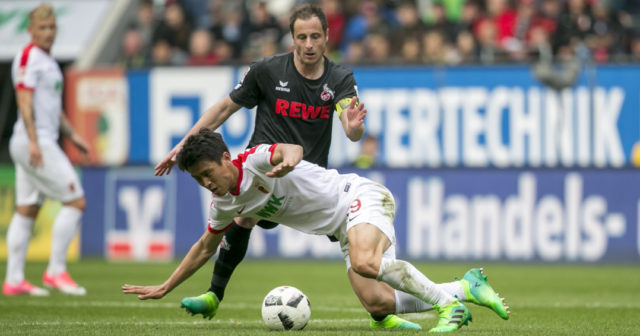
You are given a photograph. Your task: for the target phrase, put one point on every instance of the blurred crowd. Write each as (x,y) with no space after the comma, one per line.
(371,32)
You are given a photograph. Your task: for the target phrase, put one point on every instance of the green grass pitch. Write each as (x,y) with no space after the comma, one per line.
(545,300)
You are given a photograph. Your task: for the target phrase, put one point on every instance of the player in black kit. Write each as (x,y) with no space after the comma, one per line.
(296,94)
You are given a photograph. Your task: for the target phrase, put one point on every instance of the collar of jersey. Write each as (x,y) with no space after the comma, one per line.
(238,165)
(324,72)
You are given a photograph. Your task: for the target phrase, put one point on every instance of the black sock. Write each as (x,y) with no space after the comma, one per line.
(379,317)
(232,250)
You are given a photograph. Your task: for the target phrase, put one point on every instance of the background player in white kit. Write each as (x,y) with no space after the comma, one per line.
(42,168)
(273,182)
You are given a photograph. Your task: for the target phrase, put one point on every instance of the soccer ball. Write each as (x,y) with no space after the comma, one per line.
(286,308)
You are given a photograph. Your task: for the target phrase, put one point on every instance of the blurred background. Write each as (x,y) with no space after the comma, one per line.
(506,129)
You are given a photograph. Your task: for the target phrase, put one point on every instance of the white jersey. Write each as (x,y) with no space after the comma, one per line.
(310,198)
(34,69)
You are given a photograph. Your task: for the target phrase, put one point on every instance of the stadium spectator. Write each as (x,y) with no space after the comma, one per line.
(42,168)
(410,51)
(574,23)
(435,48)
(134,55)
(145,23)
(357,211)
(336,21)
(229,25)
(248,24)
(201,49)
(410,26)
(162,54)
(466,48)
(368,19)
(174,28)
(504,18)
(224,51)
(488,49)
(377,49)
(354,54)
(605,33)
(441,23)
(368,157)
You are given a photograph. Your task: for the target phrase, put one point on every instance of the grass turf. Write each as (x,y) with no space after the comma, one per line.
(545,300)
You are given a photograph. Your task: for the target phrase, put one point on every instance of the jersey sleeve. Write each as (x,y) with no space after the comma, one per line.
(218,221)
(27,72)
(347,88)
(260,158)
(247,92)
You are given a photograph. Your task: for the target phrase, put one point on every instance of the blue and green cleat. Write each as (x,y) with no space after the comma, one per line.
(205,304)
(451,317)
(393,322)
(477,290)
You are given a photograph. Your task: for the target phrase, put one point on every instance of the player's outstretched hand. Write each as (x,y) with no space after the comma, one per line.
(146,292)
(167,163)
(281,169)
(356,114)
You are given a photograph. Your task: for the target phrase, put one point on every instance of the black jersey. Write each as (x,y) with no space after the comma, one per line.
(291,108)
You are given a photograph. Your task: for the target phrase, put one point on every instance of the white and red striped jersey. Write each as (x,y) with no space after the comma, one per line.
(310,198)
(34,69)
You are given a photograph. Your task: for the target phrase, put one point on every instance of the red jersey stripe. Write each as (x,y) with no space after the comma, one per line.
(25,54)
(219,231)
(21,86)
(24,58)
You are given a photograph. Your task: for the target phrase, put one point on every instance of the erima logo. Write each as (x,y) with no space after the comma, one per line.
(283,86)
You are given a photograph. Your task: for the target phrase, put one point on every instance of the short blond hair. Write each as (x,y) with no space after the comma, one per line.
(43,11)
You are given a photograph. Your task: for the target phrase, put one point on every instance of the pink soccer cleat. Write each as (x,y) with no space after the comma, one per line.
(63,283)
(24,288)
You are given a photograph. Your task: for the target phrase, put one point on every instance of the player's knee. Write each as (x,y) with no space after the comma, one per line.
(247,223)
(29,211)
(267,225)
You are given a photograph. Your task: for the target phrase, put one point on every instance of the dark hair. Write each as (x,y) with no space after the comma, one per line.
(206,145)
(306,12)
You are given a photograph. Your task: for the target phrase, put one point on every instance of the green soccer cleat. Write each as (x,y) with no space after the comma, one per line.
(477,290)
(205,304)
(393,322)
(452,317)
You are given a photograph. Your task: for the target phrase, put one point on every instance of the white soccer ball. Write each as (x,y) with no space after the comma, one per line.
(286,308)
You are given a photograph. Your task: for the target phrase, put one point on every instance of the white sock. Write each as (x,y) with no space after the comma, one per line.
(403,276)
(64,228)
(454,288)
(407,303)
(18,237)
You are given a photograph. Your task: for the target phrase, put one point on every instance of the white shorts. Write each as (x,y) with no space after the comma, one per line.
(372,204)
(56,179)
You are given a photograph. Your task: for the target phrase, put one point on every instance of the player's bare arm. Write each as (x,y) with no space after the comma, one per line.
(285,157)
(67,130)
(25,105)
(211,119)
(352,117)
(198,255)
